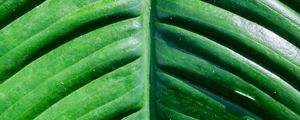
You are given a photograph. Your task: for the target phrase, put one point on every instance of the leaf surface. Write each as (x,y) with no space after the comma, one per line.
(149,59)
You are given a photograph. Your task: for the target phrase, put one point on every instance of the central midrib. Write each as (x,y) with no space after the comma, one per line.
(148,18)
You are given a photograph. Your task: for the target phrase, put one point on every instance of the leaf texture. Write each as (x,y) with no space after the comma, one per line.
(149,59)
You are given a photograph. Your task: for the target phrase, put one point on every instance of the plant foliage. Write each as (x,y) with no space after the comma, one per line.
(149,59)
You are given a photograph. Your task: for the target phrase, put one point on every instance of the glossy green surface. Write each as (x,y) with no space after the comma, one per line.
(149,59)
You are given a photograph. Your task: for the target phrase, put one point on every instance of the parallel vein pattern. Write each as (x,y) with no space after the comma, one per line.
(149,59)
(49,73)
(21,51)
(233,57)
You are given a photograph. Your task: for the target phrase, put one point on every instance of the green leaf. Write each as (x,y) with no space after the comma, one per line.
(149,59)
